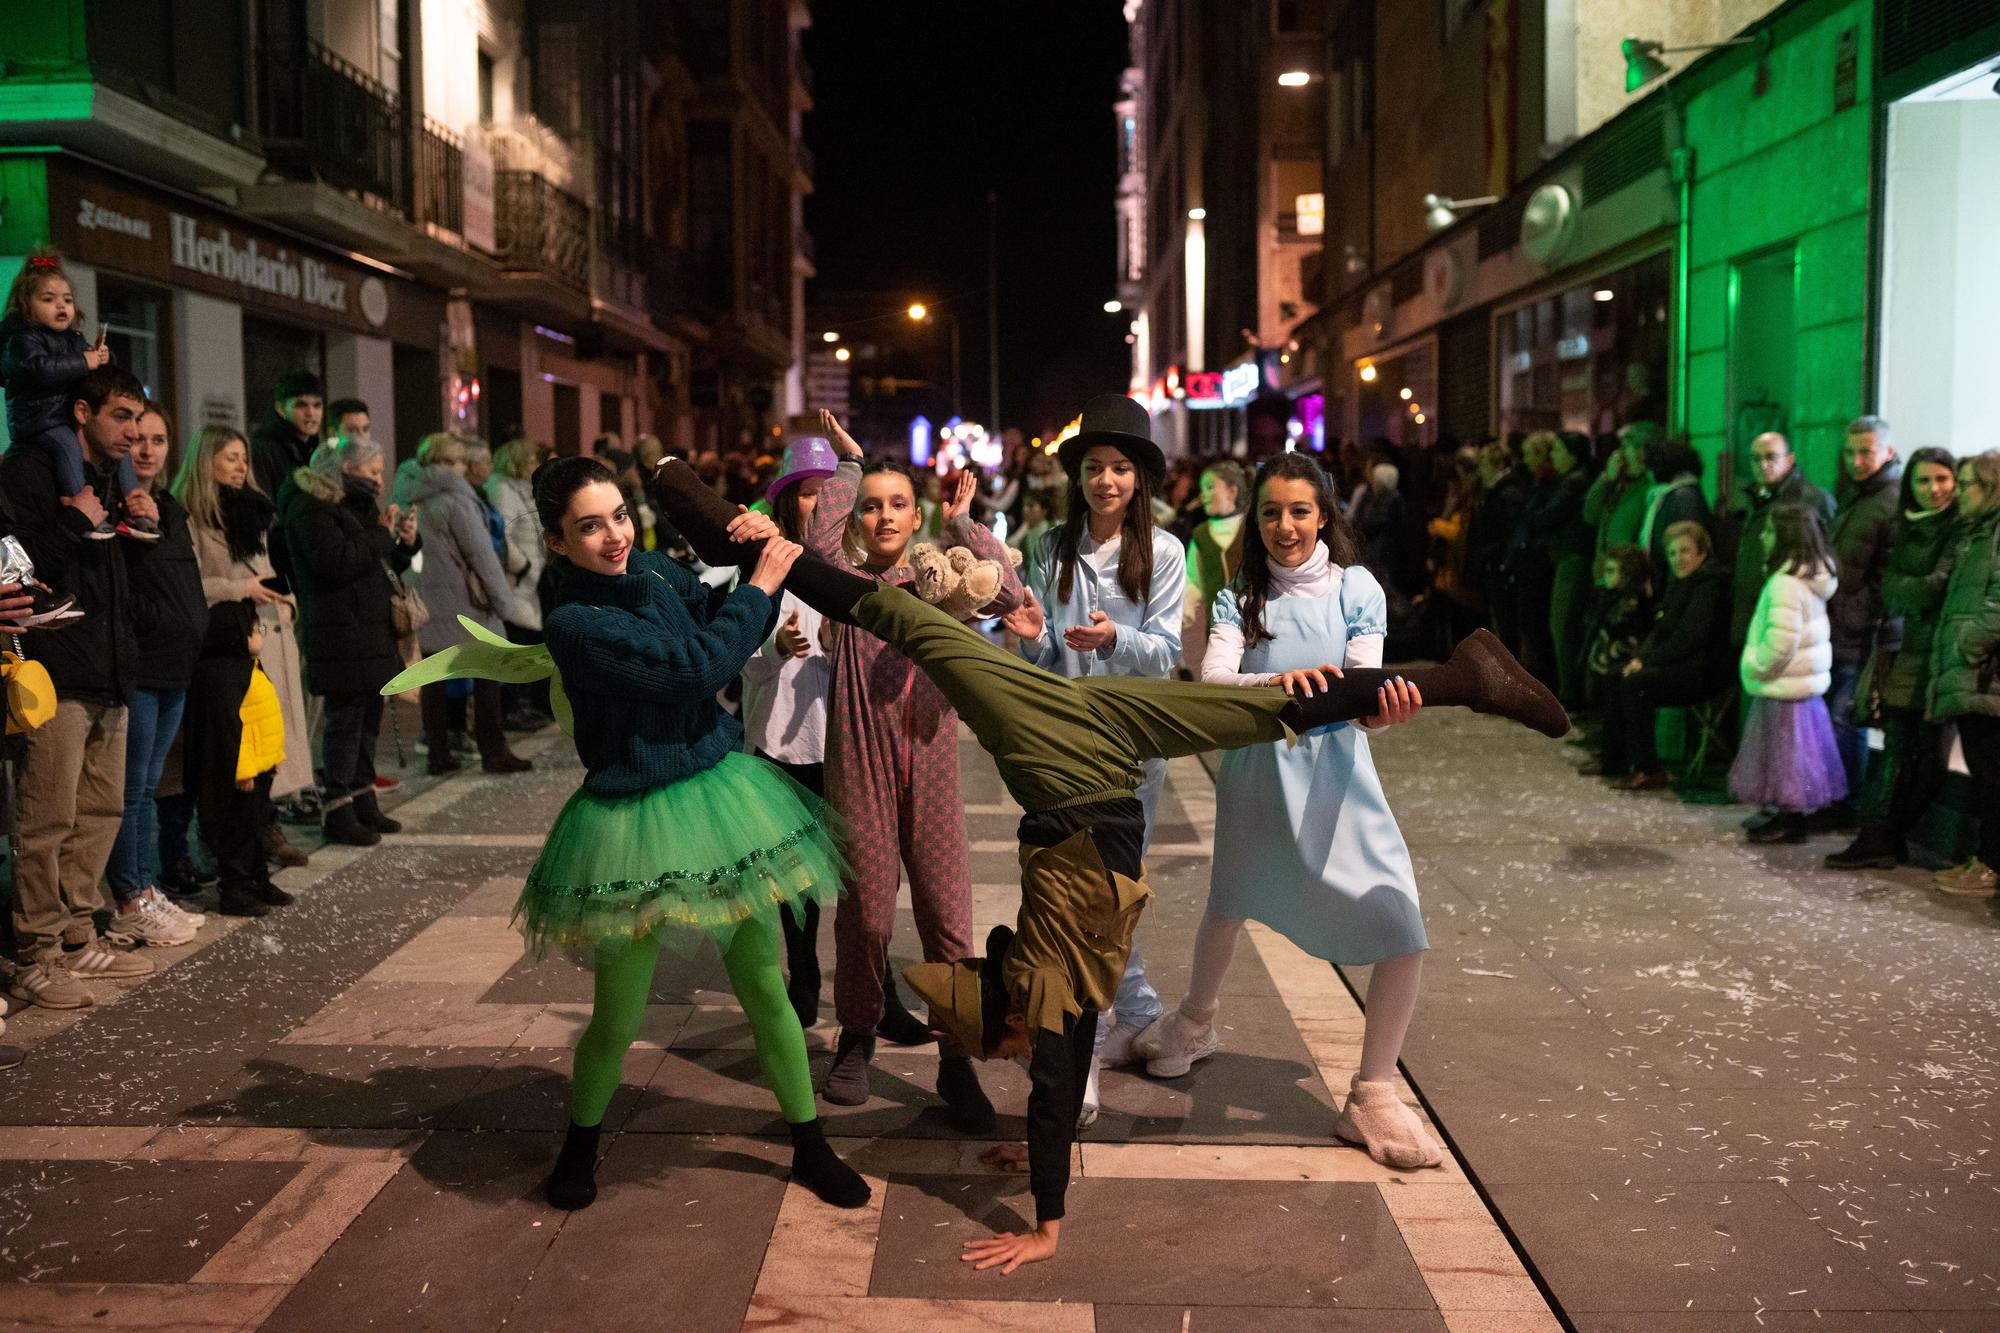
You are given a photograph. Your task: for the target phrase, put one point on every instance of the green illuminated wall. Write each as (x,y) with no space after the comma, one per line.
(1784,168)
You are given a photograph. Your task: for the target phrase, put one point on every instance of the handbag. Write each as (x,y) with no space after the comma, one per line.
(475,591)
(407,611)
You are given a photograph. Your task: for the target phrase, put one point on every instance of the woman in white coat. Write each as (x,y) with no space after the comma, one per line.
(1109,603)
(1788,759)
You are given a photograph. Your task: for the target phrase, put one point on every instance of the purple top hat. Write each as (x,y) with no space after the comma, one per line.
(806,456)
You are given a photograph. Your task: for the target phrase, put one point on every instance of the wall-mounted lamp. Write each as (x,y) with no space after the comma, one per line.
(1197,214)
(1643,63)
(1440,212)
(1294,78)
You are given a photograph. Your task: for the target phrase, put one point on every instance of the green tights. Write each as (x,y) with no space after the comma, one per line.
(625,980)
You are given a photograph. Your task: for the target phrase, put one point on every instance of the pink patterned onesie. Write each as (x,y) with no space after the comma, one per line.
(892,773)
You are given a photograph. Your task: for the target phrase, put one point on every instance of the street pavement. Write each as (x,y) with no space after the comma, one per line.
(1691,1085)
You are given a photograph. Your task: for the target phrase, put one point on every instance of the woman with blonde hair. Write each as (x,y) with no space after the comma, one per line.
(231,521)
(462,576)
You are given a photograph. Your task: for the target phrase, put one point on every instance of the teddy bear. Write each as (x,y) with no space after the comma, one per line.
(956,581)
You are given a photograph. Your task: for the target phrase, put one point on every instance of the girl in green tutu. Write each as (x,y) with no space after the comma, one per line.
(675,830)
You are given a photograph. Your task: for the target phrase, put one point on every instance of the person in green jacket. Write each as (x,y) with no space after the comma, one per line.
(1616,502)
(1965,661)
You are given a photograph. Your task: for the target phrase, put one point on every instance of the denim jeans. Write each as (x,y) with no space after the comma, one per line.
(153,720)
(1846,735)
(348,747)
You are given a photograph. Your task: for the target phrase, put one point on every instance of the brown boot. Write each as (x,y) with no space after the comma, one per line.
(279,849)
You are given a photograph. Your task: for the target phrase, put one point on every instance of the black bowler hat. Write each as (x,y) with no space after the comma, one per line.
(1119,421)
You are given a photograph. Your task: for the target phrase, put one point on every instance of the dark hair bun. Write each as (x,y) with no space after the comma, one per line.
(560,478)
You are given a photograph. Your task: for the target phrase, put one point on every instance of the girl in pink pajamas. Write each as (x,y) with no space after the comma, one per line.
(892,773)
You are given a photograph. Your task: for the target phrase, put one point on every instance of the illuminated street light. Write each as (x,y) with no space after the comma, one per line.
(918,310)
(1113,307)
(1405,394)
(1197,214)
(1419,418)
(1368,374)
(841,354)
(829,337)
(1294,78)
(1603,294)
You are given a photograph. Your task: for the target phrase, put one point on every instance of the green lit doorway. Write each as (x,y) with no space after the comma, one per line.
(1763,354)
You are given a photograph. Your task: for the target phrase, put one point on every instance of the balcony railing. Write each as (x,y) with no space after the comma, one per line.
(324,118)
(541,229)
(440,180)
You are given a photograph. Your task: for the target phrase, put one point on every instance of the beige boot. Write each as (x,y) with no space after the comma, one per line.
(1376,1119)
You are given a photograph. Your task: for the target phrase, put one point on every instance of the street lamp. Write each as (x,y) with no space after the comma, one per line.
(921,314)
(1294,78)
(1113,307)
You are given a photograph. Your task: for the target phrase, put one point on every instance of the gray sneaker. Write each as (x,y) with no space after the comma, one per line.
(98,959)
(155,921)
(50,985)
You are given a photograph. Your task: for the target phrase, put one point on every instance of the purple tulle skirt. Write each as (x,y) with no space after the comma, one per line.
(1788,758)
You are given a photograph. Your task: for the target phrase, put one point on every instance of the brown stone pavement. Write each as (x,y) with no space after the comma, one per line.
(337,1118)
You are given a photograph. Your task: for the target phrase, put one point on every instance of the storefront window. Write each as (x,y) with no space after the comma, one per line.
(1590,359)
(134,320)
(272,350)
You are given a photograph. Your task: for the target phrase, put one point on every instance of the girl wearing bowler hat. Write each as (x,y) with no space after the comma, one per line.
(1109,603)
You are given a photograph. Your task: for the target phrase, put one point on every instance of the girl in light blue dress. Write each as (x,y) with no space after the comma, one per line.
(1108,602)
(1304,839)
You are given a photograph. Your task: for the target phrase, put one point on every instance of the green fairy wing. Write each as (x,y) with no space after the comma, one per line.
(487,656)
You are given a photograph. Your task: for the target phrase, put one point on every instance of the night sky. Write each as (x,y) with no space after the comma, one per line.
(919,109)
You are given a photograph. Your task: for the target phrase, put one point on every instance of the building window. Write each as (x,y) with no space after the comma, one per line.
(134,320)
(1590,359)
(485,87)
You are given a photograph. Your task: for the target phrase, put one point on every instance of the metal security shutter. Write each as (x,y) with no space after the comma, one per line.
(1923,40)
(1465,377)
(1624,151)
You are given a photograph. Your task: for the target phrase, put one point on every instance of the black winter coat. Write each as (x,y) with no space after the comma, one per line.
(169,612)
(344,559)
(95,659)
(1752,518)
(1863,530)
(1691,637)
(41,369)
(277,451)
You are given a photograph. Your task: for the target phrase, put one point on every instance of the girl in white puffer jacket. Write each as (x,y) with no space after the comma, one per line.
(1788,758)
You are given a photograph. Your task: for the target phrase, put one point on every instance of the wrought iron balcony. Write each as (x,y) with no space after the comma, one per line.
(541,229)
(324,118)
(439,186)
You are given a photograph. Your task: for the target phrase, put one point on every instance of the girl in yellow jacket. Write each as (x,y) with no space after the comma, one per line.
(233,739)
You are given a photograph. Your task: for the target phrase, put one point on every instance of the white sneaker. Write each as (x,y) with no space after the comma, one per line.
(98,959)
(1148,1044)
(195,920)
(154,921)
(1181,1044)
(1117,1049)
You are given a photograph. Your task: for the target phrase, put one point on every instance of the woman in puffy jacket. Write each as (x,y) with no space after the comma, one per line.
(1788,759)
(1905,775)
(462,576)
(1965,660)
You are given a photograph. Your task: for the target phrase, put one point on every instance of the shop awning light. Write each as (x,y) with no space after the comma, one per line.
(829,337)
(1112,307)
(1440,212)
(841,354)
(1643,63)
(1197,214)
(1294,78)
(1603,294)
(1368,374)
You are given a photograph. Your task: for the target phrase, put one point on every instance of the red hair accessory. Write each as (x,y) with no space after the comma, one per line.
(44,261)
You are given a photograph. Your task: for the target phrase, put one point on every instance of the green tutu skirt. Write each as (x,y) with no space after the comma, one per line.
(700,856)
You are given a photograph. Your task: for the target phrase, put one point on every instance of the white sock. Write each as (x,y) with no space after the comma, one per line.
(1214,946)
